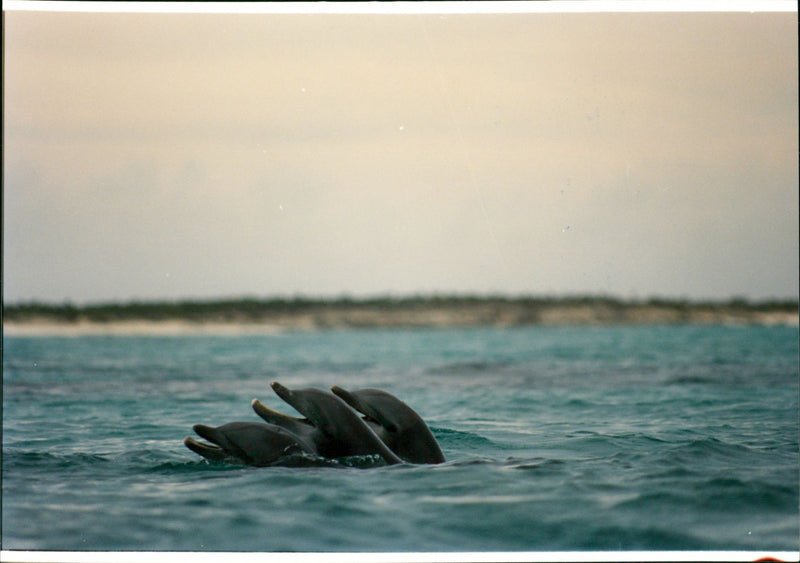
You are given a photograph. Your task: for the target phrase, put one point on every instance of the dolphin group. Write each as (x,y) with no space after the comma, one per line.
(338,424)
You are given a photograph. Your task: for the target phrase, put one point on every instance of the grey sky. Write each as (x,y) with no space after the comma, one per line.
(167,156)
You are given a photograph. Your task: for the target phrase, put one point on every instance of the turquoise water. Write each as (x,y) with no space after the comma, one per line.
(663,438)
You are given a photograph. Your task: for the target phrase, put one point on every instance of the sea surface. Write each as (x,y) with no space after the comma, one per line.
(631,438)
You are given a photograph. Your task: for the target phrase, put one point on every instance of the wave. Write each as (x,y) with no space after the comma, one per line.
(726,494)
(14,459)
(631,538)
(18,460)
(716,495)
(461,440)
(706,449)
(541,466)
(302,460)
(468,367)
(478,499)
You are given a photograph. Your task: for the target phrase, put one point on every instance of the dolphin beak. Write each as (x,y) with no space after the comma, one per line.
(343,394)
(259,407)
(282,391)
(348,398)
(351,400)
(289,397)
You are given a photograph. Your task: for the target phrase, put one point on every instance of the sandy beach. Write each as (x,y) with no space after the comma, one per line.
(498,313)
(134,328)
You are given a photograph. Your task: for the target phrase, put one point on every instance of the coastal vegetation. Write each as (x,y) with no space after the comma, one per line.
(423,311)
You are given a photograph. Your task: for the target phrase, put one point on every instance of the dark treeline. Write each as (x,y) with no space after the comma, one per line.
(258,309)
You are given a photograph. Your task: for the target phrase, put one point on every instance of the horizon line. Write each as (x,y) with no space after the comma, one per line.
(405,297)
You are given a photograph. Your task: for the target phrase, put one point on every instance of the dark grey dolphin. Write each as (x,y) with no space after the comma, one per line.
(253,443)
(398,425)
(334,428)
(300,426)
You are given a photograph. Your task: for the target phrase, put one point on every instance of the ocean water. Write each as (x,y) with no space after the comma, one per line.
(645,438)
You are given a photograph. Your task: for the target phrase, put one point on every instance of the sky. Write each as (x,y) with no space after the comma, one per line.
(202,156)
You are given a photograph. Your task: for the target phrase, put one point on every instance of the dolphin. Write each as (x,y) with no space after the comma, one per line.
(398,425)
(334,428)
(252,443)
(300,426)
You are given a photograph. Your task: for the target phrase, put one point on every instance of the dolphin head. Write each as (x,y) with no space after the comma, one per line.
(370,403)
(320,408)
(342,431)
(404,431)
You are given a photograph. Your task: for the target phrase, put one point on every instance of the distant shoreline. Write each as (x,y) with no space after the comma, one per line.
(276,316)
